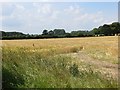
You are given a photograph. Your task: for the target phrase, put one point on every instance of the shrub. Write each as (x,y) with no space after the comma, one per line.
(74,70)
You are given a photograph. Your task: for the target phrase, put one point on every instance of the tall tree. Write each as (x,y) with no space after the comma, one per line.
(105,29)
(59,31)
(115,27)
(45,32)
(51,32)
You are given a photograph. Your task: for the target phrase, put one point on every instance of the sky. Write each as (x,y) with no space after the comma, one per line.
(34,17)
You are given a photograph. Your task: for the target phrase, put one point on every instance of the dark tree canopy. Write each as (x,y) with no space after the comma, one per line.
(45,32)
(108,30)
(59,31)
(105,30)
(51,32)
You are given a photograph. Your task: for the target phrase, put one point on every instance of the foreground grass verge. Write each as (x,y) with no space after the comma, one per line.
(23,68)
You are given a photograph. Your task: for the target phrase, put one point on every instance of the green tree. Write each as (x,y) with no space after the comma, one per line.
(45,32)
(59,31)
(51,32)
(95,31)
(115,27)
(105,29)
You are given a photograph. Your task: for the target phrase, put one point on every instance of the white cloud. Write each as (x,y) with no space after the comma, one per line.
(73,9)
(19,7)
(98,20)
(79,15)
(45,9)
(46,15)
(59,1)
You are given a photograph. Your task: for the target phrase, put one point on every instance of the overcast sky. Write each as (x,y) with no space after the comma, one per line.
(31,17)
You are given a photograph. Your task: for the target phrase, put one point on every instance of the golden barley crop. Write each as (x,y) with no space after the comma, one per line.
(60,63)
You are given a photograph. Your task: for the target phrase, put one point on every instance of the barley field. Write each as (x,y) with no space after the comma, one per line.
(90,62)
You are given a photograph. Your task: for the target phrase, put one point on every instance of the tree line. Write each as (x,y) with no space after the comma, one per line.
(105,30)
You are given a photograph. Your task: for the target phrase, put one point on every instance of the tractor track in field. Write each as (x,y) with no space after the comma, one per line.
(103,66)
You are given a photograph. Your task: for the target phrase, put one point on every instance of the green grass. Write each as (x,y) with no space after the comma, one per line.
(45,69)
(102,55)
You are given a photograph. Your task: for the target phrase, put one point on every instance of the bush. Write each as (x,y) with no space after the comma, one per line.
(74,70)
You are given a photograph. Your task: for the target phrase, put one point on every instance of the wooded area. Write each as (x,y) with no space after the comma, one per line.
(105,30)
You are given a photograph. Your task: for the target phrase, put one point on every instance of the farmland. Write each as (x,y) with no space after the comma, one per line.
(90,62)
